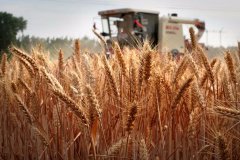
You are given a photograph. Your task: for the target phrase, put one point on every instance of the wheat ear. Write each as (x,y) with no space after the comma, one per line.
(4,64)
(77,49)
(193,38)
(23,55)
(120,58)
(27,66)
(131,117)
(228,112)
(147,66)
(110,78)
(94,107)
(60,64)
(143,152)
(206,64)
(181,91)
(222,150)
(115,148)
(194,120)
(21,105)
(230,66)
(72,105)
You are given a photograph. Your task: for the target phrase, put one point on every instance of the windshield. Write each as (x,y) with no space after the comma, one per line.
(116,25)
(105,28)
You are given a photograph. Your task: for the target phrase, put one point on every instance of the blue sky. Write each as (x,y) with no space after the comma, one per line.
(74,18)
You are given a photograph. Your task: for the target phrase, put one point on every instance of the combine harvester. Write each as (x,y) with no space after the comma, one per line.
(126,26)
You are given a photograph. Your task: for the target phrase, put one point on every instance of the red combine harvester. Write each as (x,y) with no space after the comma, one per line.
(126,26)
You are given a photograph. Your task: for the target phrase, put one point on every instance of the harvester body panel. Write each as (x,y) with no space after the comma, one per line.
(171,38)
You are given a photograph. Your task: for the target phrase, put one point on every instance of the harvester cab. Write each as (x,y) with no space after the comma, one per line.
(128,26)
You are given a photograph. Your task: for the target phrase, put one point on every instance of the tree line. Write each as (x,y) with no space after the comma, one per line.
(52,45)
(11,26)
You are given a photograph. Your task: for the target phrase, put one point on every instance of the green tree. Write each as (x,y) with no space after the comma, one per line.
(9,28)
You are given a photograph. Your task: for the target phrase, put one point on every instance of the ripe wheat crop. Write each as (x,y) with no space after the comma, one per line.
(139,104)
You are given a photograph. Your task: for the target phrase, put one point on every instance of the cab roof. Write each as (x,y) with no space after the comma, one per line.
(119,12)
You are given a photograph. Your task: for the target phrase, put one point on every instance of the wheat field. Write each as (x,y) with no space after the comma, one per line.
(139,104)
